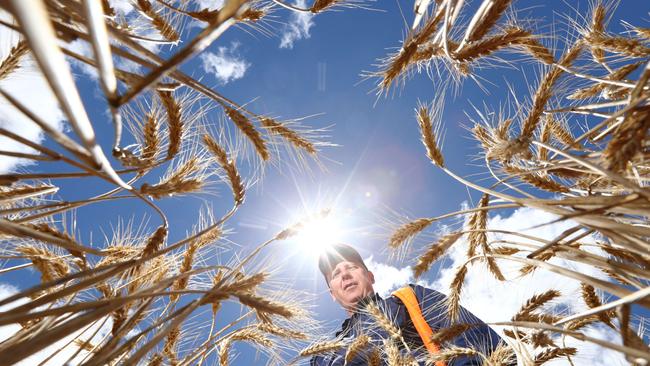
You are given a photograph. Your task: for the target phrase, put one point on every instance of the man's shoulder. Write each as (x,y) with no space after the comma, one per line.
(423,293)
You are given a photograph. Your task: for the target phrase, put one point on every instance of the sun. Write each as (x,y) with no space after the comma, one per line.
(315,233)
(319,233)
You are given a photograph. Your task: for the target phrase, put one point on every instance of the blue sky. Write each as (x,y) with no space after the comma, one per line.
(376,174)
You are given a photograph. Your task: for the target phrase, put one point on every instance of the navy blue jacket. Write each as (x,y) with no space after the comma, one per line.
(432,303)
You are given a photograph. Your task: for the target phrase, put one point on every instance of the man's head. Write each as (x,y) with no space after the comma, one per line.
(347,276)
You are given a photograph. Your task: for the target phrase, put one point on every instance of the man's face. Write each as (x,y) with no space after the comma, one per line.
(349,283)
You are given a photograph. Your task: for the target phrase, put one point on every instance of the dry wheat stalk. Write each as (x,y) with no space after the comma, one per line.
(264,305)
(406,232)
(626,46)
(477,224)
(151,138)
(452,352)
(536,179)
(505,250)
(561,133)
(509,37)
(428,132)
(435,251)
(545,136)
(627,140)
(502,355)
(488,20)
(453,299)
(396,65)
(617,75)
(382,320)
(322,347)
(553,353)
(393,355)
(228,166)
(248,129)
(12,62)
(448,334)
(321,5)
(288,134)
(545,90)
(158,21)
(535,302)
(592,300)
(189,255)
(540,339)
(357,345)
(374,358)
(174,122)
(50,265)
(598,27)
(281,332)
(185,179)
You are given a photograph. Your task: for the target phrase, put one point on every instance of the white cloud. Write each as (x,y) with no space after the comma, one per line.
(495,301)
(226,65)
(298,26)
(122,7)
(388,278)
(28,86)
(210,4)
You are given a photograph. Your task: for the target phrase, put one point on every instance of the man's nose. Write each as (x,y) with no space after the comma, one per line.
(346,274)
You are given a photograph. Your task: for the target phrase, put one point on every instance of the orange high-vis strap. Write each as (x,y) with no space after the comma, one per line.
(407,296)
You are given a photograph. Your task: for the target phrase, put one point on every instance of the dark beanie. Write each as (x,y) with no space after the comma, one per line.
(335,254)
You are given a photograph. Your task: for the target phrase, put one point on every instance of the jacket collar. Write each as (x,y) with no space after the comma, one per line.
(349,322)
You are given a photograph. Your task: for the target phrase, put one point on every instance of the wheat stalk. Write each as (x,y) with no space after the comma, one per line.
(627,46)
(535,302)
(406,232)
(435,251)
(447,334)
(162,25)
(545,90)
(11,63)
(357,345)
(424,118)
(382,320)
(228,166)
(553,353)
(453,299)
(174,122)
(288,134)
(322,347)
(248,129)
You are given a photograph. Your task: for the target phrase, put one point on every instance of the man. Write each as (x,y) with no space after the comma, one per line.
(351,285)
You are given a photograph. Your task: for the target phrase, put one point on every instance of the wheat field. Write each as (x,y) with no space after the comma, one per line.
(575,148)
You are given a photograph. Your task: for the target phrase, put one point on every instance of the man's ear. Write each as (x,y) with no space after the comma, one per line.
(372,277)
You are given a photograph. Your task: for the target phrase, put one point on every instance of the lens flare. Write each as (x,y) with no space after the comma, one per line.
(315,233)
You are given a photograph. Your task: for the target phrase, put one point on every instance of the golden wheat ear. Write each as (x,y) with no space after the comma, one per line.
(322,347)
(554,353)
(435,251)
(430,124)
(11,63)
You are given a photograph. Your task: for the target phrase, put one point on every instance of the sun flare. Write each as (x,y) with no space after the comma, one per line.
(315,233)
